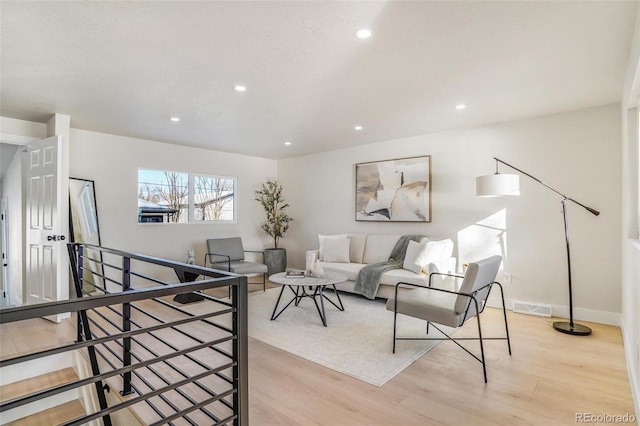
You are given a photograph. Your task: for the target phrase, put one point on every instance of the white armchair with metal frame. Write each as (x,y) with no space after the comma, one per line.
(452,308)
(227,254)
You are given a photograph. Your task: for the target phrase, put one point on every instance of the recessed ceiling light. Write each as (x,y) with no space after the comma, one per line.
(358,127)
(240,88)
(175,119)
(363,33)
(460,107)
(287,143)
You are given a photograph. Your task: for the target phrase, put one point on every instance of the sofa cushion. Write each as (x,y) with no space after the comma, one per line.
(395,276)
(418,302)
(349,269)
(356,247)
(414,259)
(336,250)
(378,248)
(322,239)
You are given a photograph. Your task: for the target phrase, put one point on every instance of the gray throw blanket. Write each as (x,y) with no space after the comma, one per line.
(368,279)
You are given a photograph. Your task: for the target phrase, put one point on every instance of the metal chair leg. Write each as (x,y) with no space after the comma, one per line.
(484,365)
(395,316)
(504,313)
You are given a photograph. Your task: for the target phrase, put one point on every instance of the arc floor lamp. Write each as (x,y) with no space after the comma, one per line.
(498,185)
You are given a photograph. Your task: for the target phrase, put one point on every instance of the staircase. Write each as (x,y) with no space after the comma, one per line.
(62,407)
(131,355)
(58,409)
(21,379)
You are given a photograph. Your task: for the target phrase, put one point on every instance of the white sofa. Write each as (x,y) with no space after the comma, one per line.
(362,249)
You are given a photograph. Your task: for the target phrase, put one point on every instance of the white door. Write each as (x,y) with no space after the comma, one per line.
(46,242)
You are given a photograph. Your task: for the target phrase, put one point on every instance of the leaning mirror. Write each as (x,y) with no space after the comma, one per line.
(84,228)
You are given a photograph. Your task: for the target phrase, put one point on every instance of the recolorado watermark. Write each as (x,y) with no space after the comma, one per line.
(605,418)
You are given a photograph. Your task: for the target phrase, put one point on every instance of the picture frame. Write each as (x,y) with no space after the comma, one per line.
(397,190)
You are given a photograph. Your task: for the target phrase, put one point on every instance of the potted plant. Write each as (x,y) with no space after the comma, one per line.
(276,224)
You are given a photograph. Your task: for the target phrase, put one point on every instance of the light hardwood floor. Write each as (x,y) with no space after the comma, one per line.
(549,380)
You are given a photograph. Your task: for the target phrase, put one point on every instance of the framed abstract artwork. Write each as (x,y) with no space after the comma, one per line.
(394,190)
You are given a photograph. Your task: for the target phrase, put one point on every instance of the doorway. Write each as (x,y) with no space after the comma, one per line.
(18,281)
(10,190)
(4,243)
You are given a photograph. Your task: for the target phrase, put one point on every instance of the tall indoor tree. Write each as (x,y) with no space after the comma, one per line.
(276,223)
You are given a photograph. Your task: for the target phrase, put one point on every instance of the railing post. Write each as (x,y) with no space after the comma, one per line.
(240,352)
(77,256)
(126,326)
(85,334)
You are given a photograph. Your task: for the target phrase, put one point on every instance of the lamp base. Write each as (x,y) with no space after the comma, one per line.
(185,298)
(575,329)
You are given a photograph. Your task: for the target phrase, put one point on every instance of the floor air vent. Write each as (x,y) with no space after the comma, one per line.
(532,309)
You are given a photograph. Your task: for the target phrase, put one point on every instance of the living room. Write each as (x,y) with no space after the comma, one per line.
(588,149)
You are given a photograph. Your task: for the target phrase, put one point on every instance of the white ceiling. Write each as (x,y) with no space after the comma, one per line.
(126,67)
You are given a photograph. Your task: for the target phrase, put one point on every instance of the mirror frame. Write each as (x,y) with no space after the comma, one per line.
(90,209)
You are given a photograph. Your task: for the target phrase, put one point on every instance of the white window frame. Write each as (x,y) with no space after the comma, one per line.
(191,177)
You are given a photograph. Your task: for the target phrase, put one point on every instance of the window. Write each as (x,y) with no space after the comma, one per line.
(213,198)
(177,197)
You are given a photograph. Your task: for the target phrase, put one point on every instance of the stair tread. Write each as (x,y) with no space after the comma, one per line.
(44,381)
(56,415)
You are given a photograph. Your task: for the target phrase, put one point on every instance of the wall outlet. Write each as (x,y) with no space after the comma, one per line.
(507,277)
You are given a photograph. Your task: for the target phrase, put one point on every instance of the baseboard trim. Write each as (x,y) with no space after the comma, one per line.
(591,315)
(632,365)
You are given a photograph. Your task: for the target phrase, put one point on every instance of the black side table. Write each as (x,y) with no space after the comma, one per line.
(185,298)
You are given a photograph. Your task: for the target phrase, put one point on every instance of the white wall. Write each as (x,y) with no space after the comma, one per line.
(113,162)
(20,132)
(631,216)
(576,152)
(631,251)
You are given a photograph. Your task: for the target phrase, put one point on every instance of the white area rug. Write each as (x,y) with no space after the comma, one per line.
(356,342)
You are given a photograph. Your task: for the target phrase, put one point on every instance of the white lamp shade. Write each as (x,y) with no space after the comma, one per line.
(497,185)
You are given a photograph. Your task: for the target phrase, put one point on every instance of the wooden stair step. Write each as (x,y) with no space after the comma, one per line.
(53,416)
(63,405)
(44,381)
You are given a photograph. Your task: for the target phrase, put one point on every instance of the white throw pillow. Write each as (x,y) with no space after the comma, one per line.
(356,247)
(437,250)
(414,259)
(323,238)
(336,250)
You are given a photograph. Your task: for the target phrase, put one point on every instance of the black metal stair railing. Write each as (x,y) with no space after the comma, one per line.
(169,362)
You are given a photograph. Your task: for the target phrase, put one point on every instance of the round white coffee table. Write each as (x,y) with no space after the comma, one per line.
(315,287)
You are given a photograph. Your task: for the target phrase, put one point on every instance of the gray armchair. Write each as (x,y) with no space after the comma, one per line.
(452,308)
(227,254)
